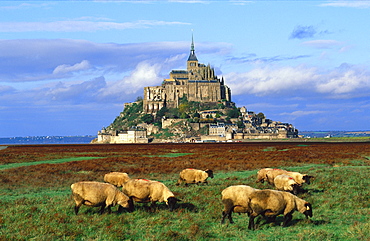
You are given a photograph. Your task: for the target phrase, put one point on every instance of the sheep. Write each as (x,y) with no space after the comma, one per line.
(286,183)
(300,178)
(261,175)
(97,194)
(143,191)
(235,199)
(271,174)
(116,178)
(271,203)
(190,175)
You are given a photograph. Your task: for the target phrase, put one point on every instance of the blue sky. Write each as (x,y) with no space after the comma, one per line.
(67,67)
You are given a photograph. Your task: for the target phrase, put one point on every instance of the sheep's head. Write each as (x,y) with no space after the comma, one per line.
(125,202)
(171,202)
(209,172)
(308,211)
(307,178)
(295,188)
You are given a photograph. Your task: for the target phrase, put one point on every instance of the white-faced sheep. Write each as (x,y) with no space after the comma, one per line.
(261,175)
(116,178)
(235,199)
(98,194)
(286,183)
(300,178)
(143,191)
(271,203)
(190,175)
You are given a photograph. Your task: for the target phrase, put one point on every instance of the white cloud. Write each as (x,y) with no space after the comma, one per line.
(145,74)
(345,81)
(350,4)
(79,26)
(323,44)
(64,68)
(265,81)
(300,113)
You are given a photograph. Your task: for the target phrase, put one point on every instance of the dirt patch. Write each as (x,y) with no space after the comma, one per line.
(141,160)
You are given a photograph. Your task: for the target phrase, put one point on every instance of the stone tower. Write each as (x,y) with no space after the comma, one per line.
(198,83)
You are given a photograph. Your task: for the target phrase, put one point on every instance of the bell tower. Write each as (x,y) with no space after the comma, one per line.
(192,63)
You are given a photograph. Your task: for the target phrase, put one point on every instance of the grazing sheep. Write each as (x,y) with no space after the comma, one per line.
(300,178)
(98,194)
(235,199)
(116,178)
(271,174)
(143,191)
(271,203)
(286,183)
(261,175)
(194,176)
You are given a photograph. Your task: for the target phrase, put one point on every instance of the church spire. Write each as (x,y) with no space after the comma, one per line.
(192,56)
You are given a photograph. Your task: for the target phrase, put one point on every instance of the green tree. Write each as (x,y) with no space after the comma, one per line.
(147,118)
(261,115)
(233,113)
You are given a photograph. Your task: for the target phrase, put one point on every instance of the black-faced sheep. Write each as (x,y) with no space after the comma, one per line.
(116,178)
(235,199)
(98,194)
(286,183)
(190,175)
(300,178)
(143,191)
(271,203)
(261,175)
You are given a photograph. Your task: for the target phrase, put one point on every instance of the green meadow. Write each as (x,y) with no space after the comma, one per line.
(340,197)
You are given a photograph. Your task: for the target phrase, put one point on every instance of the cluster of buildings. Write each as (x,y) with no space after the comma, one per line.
(199,83)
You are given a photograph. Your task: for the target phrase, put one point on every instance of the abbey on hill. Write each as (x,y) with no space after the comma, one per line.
(198,83)
(192,105)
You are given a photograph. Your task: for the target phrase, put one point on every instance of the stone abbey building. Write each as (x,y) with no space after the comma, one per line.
(198,83)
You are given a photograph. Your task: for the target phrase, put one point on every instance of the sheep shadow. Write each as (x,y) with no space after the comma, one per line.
(187,206)
(263,221)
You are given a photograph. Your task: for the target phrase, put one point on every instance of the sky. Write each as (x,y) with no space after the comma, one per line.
(67,67)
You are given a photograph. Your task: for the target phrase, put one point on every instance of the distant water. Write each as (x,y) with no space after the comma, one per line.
(34,140)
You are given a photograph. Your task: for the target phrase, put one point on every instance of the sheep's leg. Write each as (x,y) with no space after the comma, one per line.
(108,208)
(77,207)
(101,211)
(251,222)
(287,219)
(228,214)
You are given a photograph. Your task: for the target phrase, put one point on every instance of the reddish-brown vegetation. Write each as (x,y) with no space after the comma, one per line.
(139,160)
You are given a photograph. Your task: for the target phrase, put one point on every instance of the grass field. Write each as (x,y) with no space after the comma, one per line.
(37,204)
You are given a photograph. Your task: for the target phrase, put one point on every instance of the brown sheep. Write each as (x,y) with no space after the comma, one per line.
(271,203)
(143,191)
(261,175)
(190,175)
(235,199)
(98,194)
(286,183)
(116,178)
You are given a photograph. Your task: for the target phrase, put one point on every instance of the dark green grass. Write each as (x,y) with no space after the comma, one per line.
(63,160)
(339,196)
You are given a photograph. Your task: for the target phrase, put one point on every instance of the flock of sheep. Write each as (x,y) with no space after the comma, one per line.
(239,198)
(267,203)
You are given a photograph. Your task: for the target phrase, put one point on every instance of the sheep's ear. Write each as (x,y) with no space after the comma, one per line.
(307,206)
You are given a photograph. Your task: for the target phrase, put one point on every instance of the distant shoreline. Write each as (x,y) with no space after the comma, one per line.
(39,140)
(32,140)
